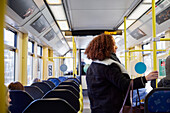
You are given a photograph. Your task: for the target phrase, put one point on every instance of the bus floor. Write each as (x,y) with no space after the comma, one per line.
(86,103)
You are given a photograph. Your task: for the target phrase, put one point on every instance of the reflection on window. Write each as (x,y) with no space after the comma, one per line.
(39,68)
(9,62)
(160,45)
(29,69)
(9,38)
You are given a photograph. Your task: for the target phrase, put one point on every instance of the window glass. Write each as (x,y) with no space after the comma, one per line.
(29,69)
(30,46)
(9,37)
(9,61)
(69,63)
(148,62)
(39,68)
(161,45)
(39,50)
(146,47)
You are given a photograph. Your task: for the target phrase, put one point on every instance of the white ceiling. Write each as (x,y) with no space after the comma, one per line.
(96,14)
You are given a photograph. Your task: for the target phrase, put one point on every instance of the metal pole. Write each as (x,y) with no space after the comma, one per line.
(125,41)
(2,88)
(154,36)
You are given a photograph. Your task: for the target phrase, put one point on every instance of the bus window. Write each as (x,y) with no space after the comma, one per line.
(30,62)
(9,55)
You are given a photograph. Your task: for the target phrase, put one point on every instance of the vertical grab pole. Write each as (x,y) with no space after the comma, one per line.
(2,88)
(125,42)
(73,55)
(154,36)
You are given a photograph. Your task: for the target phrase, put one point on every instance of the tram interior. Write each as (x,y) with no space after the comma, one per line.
(46,39)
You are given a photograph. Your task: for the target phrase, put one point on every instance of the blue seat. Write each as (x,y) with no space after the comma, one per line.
(19,100)
(34,91)
(72,83)
(50,105)
(62,78)
(43,86)
(69,87)
(158,101)
(66,95)
(52,85)
(56,81)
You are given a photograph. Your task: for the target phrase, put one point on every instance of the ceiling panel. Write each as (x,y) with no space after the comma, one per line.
(99,4)
(95,19)
(97,14)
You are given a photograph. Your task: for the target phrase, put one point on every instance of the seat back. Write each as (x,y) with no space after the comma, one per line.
(69,87)
(66,95)
(72,83)
(34,91)
(43,86)
(52,85)
(62,78)
(158,100)
(56,81)
(48,105)
(19,100)
(75,79)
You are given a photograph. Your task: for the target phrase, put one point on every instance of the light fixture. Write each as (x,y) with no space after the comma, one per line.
(63,25)
(54,2)
(139,11)
(58,12)
(128,23)
(148,1)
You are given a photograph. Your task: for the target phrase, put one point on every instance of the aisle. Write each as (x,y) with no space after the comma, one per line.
(86,103)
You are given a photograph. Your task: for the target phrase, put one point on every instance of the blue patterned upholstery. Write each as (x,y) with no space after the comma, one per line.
(158,101)
(56,81)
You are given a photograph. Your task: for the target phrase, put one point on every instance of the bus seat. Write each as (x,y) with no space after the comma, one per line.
(158,100)
(66,95)
(75,79)
(34,91)
(62,78)
(43,86)
(72,83)
(69,87)
(19,100)
(56,81)
(49,105)
(52,85)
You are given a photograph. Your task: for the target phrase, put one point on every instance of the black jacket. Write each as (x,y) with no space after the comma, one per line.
(107,86)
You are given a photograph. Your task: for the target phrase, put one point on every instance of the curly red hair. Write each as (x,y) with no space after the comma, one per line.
(100,47)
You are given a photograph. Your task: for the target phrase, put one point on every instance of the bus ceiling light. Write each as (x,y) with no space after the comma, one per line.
(139,11)
(54,1)
(58,12)
(63,25)
(128,23)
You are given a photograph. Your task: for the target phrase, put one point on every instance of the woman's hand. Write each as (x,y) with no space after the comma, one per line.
(152,75)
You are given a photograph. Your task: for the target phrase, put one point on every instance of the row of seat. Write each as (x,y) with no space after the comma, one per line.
(66,96)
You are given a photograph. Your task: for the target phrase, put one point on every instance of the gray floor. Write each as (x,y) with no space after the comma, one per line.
(86,105)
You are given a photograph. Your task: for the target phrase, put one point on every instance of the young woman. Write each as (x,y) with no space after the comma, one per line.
(107,79)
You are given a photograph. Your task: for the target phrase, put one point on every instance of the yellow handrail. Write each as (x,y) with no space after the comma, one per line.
(145,50)
(2,88)
(154,36)
(125,42)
